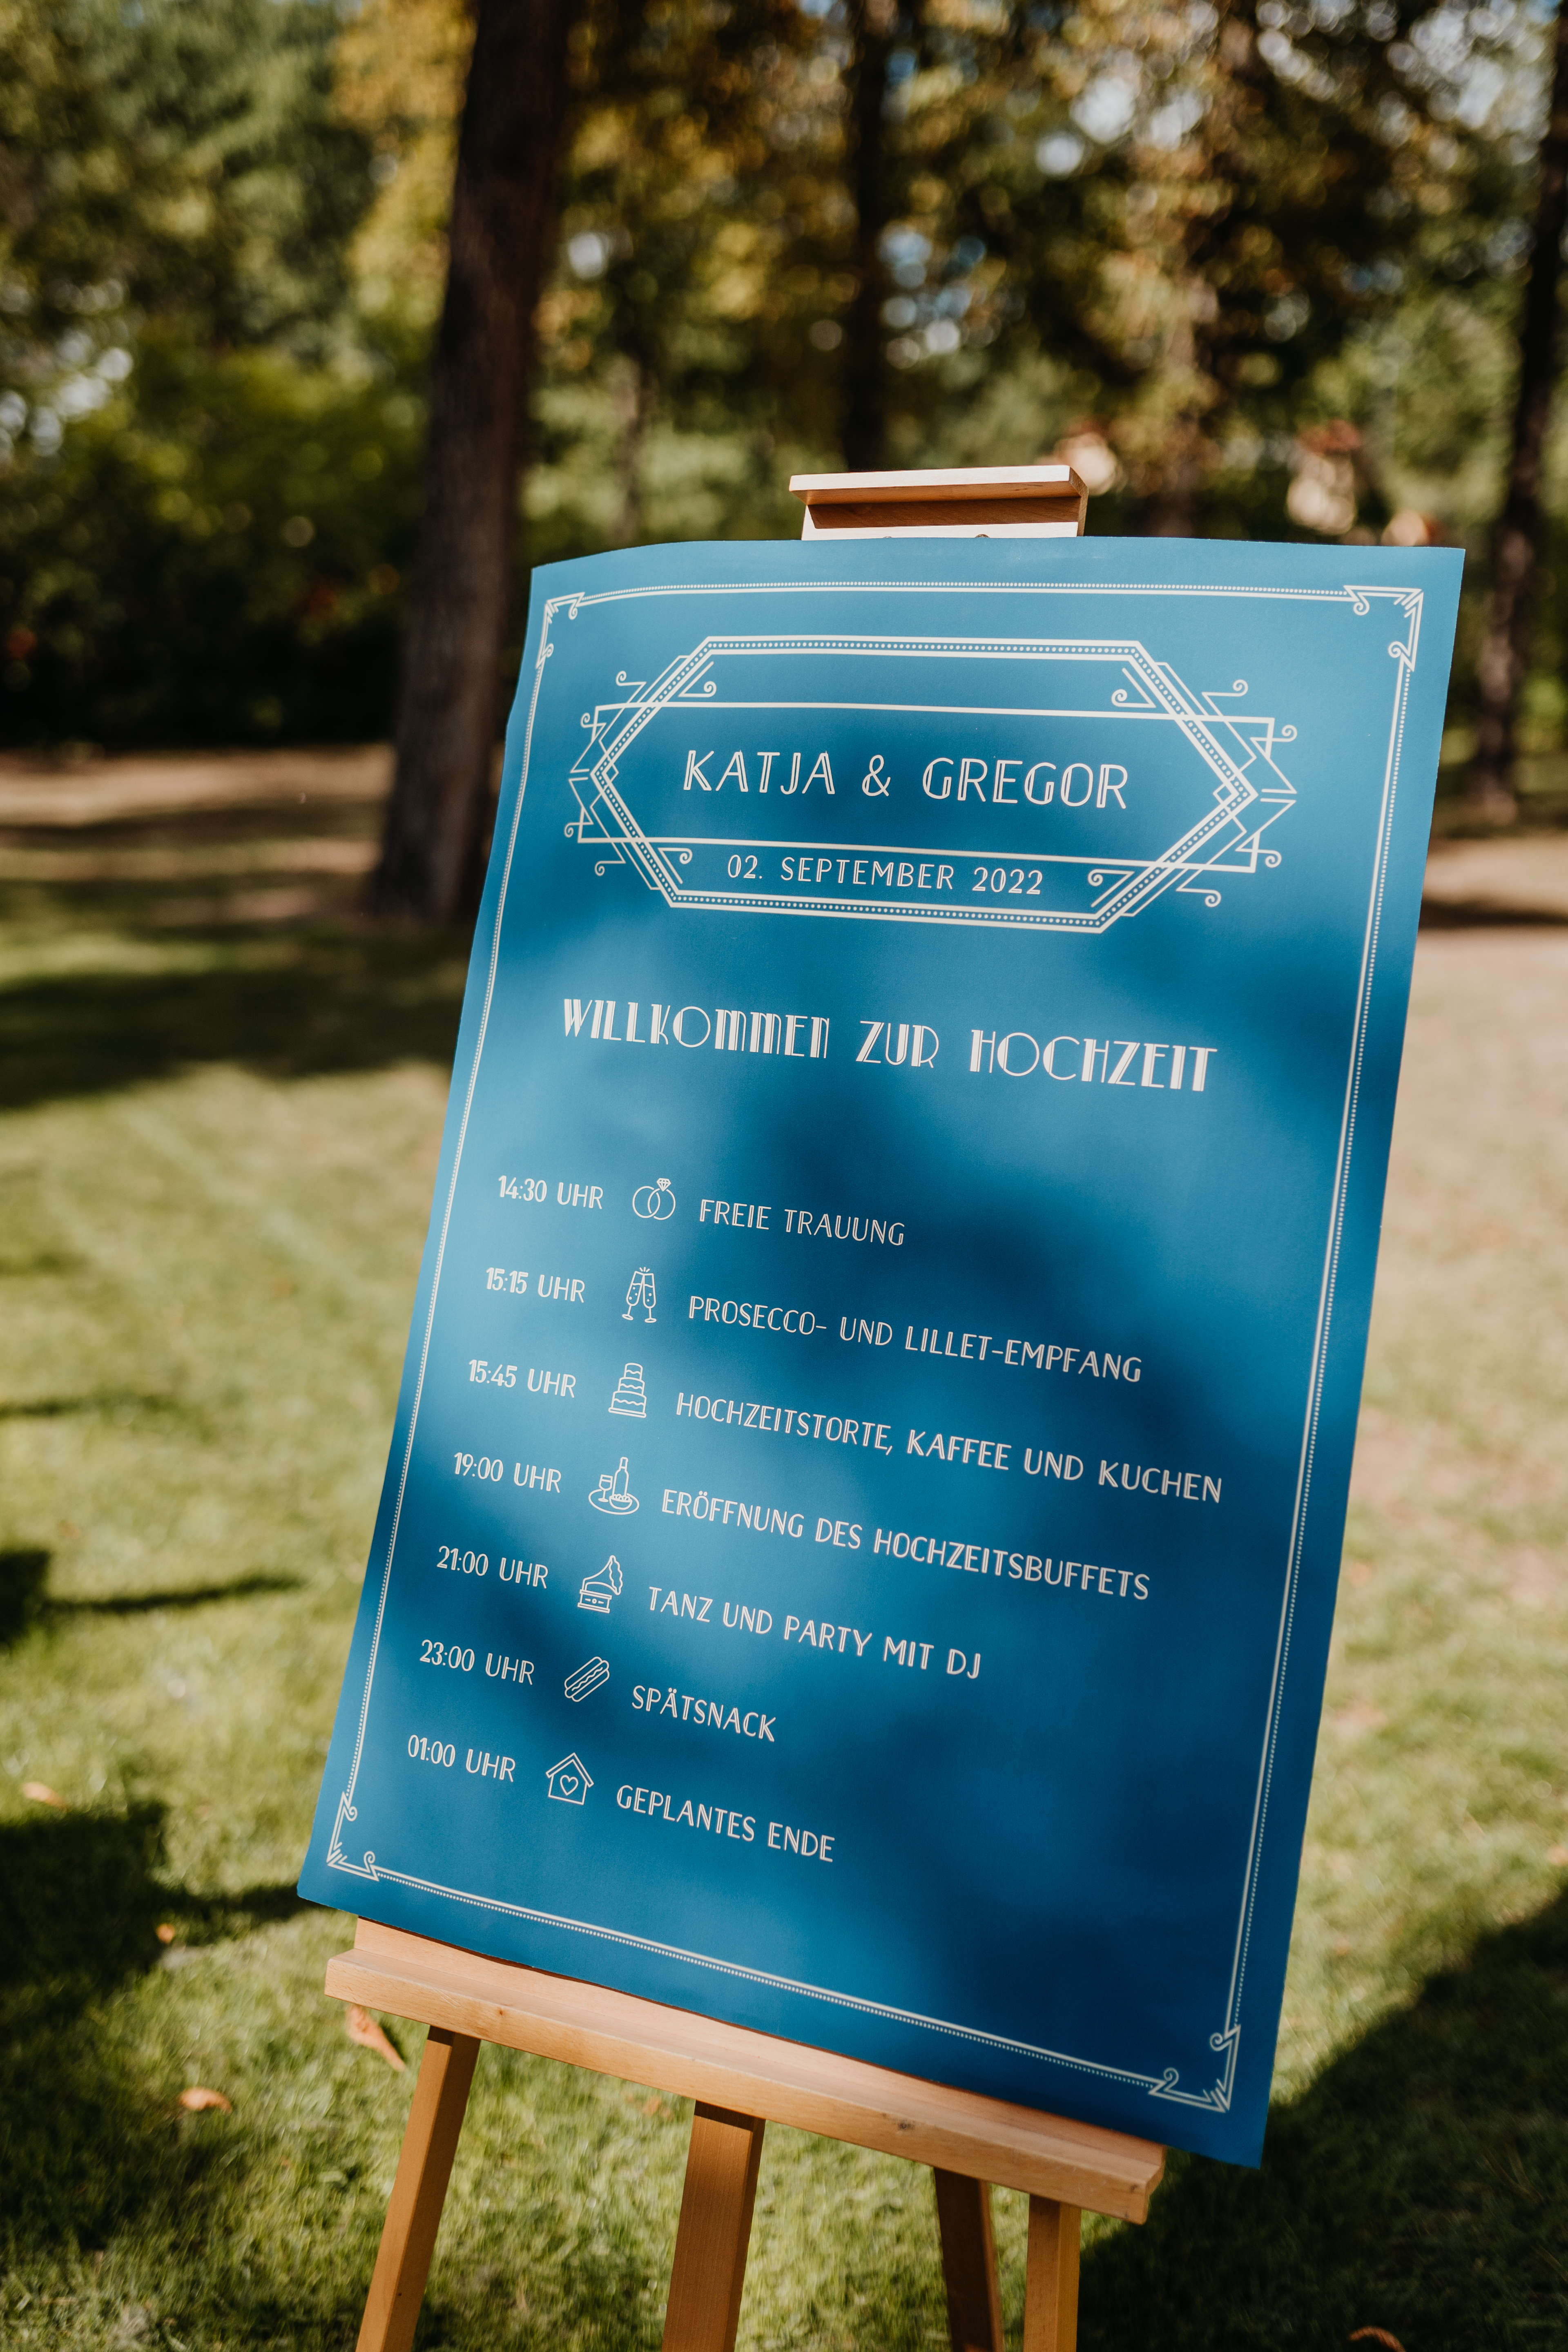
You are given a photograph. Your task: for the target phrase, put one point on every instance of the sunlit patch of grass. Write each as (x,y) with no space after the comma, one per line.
(211,1207)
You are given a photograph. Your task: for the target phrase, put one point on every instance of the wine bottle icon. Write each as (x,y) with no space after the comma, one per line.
(612,1492)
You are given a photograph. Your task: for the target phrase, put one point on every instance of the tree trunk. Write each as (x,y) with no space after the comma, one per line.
(630,401)
(1511,618)
(1174,508)
(872,28)
(503,205)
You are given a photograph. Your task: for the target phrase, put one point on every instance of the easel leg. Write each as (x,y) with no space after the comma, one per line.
(969,2262)
(1050,2292)
(414,2210)
(715,2229)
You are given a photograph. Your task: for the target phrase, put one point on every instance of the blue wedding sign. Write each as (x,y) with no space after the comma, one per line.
(861,1536)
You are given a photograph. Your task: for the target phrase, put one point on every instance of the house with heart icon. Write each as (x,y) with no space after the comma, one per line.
(569,1780)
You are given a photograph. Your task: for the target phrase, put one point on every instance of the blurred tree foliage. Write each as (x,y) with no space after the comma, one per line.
(1256,261)
(208,477)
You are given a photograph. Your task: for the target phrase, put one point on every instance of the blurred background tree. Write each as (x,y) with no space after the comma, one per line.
(1258,265)
(209,478)
(1507,645)
(499,238)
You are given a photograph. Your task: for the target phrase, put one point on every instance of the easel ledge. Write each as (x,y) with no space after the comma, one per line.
(740,2081)
(961,502)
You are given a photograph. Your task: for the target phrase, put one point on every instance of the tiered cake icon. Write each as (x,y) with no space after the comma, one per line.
(630,1397)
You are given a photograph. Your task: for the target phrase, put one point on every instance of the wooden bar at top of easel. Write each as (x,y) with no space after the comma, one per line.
(751,2074)
(965,501)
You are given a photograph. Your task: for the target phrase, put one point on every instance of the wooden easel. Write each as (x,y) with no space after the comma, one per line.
(963,503)
(740,2081)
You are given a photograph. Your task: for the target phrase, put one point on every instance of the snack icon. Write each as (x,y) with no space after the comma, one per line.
(598,1592)
(586,1680)
(612,1492)
(656,1200)
(630,1398)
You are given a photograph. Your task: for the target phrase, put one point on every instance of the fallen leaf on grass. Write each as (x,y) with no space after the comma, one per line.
(42,1794)
(363,2029)
(1377,2335)
(195,2100)
(165,1933)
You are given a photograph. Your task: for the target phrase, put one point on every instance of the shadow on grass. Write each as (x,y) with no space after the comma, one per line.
(1420,2186)
(35,1262)
(61,1408)
(83,2143)
(285,1004)
(22,1578)
(26,1602)
(94,2151)
(190,1596)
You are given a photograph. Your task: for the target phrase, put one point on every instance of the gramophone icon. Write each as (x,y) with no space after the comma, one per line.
(596,1592)
(612,1492)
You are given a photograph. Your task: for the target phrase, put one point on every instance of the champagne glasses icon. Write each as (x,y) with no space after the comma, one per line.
(640,1292)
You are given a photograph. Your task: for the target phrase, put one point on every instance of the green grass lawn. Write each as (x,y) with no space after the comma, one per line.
(213,1192)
